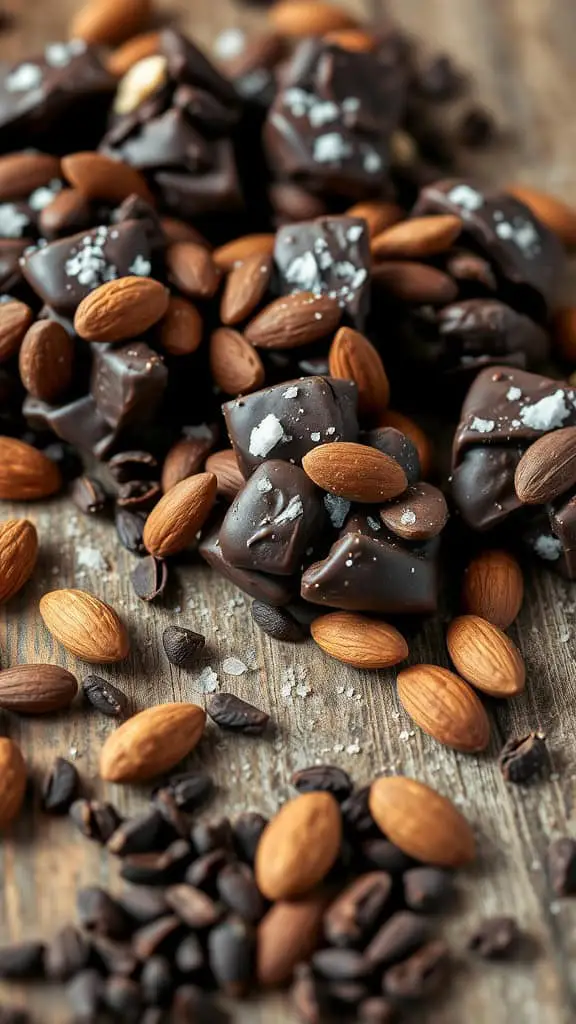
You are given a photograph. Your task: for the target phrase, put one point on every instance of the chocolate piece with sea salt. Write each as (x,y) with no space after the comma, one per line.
(394,443)
(128,383)
(482,485)
(11,277)
(287,420)
(249,61)
(78,422)
(274,590)
(477,332)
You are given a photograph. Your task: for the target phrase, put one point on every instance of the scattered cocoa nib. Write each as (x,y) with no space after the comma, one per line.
(427,889)
(146,833)
(561,860)
(182,646)
(104,696)
(60,787)
(138,495)
(523,758)
(236,715)
(95,820)
(325,777)
(149,578)
(88,495)
(22,960)
(187,790)
(130,528)
(127,466)
(419,975)
(495,938)
(278,623)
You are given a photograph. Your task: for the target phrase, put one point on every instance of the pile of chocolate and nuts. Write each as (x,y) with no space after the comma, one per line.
(226,289)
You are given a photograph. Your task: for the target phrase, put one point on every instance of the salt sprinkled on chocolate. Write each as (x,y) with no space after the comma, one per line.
(547,414)
(266,436)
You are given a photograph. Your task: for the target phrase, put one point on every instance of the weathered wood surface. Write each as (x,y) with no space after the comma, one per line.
(522,54)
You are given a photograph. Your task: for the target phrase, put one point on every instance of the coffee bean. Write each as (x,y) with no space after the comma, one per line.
(133,465)
(212,835)
(138,495)
(194,907)
(341,964)
(144,905)
(346,993)
(495,938)
(85,995)
(105,697)
(278,623)
(324,777)
(189,957)
(231,950)
(114,957)
(158,868)
(88,495)
(419,975)
(356,817)
(306,995)
(182,646)
(427,889)
(236,715)
(130,529)
(248,829)
(523,757)
(146,833)
(561,860)
(123,998)
(67,954)
(60,787)
(149,578)
(94,819)
(160,936)
(384,855)
(187,790)
(98,912)
(237,888)
(355,914)
(403,933)
(157,981)
(13,1015)
(203,872)
(376,1011)
(22,960)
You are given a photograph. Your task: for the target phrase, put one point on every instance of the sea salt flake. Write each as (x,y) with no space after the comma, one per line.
(315,436)
(331,148)
(234,667)
(353,748)
(298,101)
(547,547)
(547,414)
(372,162)
(265,436)
(466,197)
(230,43)
(304,274)
(91,558)
(13,222)
(291,392)
(25,76)
(322,113)
(58,55)
(141,267)
(207,681)
(373,523)
(337,509)
(408,518)
(351,104)
(354,234)
(482,426)
(294,509)
(43,196)
(513,394)
(264,485)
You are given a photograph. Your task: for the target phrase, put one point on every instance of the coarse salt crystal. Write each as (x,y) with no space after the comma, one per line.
(265,436)
(466,197)
(482,426)
(548,548)
(513,394)
(331,148)
(26,76)
(13,222)
(294,509)
(207,681)
(264,485)
(234,667)
(291,392)
(408,518)
(315,436)
(337,509)
(230,43)
(141,267)
(547,414)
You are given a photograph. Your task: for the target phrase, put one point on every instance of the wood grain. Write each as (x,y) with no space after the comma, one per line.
(522,57)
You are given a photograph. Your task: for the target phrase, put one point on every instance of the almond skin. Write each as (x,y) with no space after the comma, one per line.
(378,215)
(417,238)
(415,283)
(25,473)
(405,425)
(23,173)
(358,640)
(288,934)
(356,40)
(36,689)
(246,286)
(104,22)
(18,554)
(236,366)
(558,216)
(355,471)
(15,319)
(121,309)
(151,742)
(192,269)
(146,44)
(494,587)
(174,522)
(485,656)
(299,846)
(424,824)
(235,252)
(294,320)
(184,459)
(181,329)
(353,357)
(308,18)
(228,475)
(12,781)
(547,468)
(46,360)
(564,334)
(98,177)
(445,707)
(85,625)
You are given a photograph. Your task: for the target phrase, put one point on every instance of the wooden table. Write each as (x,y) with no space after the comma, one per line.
(521,53)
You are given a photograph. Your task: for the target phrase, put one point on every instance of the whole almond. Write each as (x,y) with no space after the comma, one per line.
(98,177)
(419,514)
(22,173)
(407,426)
(353,357)
(181,329)
(151,742)
(121,309)
(18,554)
(174,522)
(299,846)
(294,320)
(36,689)
(227,256)
(308,18)
(445,707)
(359,640)
(557,215)
(424,824)
(106,22)
(46,360)
(246,286)
(547,468)
(184,459)
(146,44)
(494,587)
(417,238)
(192,269)
(178,231)
(15,319)
(85,625)
(235,365)
(564,333)
(415,283)
(288,934)
(12,781)
(378,214)
(485,656)
(355,471)
(25,473)
(228,474)
(356,40)
(68,212)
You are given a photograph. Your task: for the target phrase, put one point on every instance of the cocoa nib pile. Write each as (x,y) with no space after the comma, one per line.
(231,291)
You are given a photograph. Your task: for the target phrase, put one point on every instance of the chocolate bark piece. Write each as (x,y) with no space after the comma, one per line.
(216,189)
(78,422)
(276,518)
(11,276)
(249,62)
(135,207)
(327,256)
(287,420)
(478,332)
(128,383)
(273,590)
(394,443)
(483,485)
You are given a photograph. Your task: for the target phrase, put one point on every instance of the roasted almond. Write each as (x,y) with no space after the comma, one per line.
(294,320)
(22,173)
(421,822)
(25,473)
(417,238)
(353,357)
(235,365)
(184,459)
(68,212)
(288,934)
(15,319)
(299,846)
(12,781)
(415,283)
(18,554)
(557,215)
(98,177)
(392,418)
(359,640)
(36,689)
(445,707)
(141,83)
(85,625)
(174,522)
(494,587)
(181,329)
(564,334)
(232,253)
(308,18)
(228,474)
(106,22)
(357,40)
(146,44)
(547,468)
(192,269)
(419,514)
(46,360)
(151,742)
(485,656)
(178,231)
(121,309)
(246,286)
(355,471)
(378,214)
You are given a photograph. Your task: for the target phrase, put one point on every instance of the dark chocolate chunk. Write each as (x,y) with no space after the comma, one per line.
(88,495)
(272,590)
(231,948)
(523,757)
(483,486)
(471,270)
(278,623)
(182,646)
(67,954)
(250,61)
(96,820)
(419,975)
(324,777)
(397,938)
(561,861)
(149,578)
(79,423)
(427,889)
(419,514)
(60,788)
(477,332)
(230,712)
(477,128)
(128,383)
(496,938)
(22,960)
(104,696)
(394,443)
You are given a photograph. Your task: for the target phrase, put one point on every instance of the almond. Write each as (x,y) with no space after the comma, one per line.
(18,554)
(107,22)
(25,473)
(229,479)
(140,83)
(494,587)
(355,471)
(445,707)
(417,238)
(36,689)
(22,173)
(192,269)
(547,468)
(294,320)
(246,286)
(12,781)
(146,44)
(174,522)
(421,822)
(85,625)
(556,215)
(236,367)
(353,357)
(182,328)
(359,640)
(15,319)
(178,231)
(121,309)
(151,742)
(68,212)
(308,18)
(378,214)
(392,418)
(184,459)
(287,935)
(99,178)
(564,334)
(46,360)
(299,846)
(232,253)
(355,39)
(485,656)
(415,283)
(419,514)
